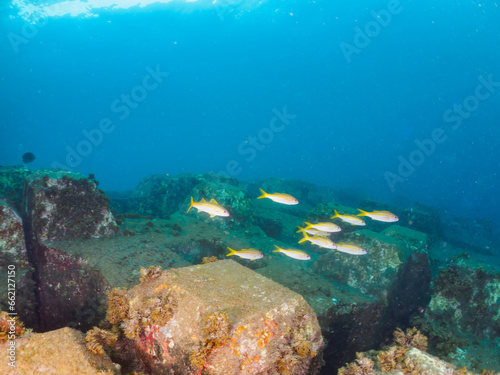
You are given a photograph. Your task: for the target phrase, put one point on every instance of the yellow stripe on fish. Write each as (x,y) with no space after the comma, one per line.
(385,216)
(292,253)
(350,248)
(251,254)
(320,241)
(324,227)
(279,198)
(351,219)
(314,232)
(212,208)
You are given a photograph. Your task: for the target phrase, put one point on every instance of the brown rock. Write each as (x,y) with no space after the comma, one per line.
(60,352)
(223,318)
(66,205)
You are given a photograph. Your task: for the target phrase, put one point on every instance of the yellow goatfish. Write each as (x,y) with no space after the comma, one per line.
(320,241)
(351,219)
(350,248)
(314,232)
(279,198)
(212,208)
(385,216)
(325,227)
(251,254)
(292,253)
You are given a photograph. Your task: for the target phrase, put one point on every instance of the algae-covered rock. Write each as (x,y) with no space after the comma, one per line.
(470,234)
(15,268)
(373,273)
(70,292)
(61,352)
(423,219)
(277,224)
(12,185)
(221,318)
(414,240)
(406,355)
(465,305)
(66,205)
(118,259)
(161,195)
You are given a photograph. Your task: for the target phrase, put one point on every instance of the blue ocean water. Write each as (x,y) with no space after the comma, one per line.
(396,100)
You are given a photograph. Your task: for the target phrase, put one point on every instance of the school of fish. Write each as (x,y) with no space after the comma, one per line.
(316,233)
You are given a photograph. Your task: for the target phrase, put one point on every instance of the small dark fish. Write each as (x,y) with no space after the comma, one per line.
(28,157)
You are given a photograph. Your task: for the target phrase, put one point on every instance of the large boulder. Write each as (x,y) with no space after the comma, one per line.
(16,272)
(473,235)
(61,352)
(422,218)
(119,259)
(12,185)
(201,318)
(374,273)
(70,291)
(350,321)
(407,355)
(65,205)
(465,304)
(279,225)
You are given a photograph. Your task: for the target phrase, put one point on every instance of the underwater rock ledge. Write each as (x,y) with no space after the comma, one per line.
(219,317)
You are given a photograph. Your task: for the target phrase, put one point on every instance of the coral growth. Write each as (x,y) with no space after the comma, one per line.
(216,329)
(361,366)
(464,371)
(150,274)
(10,327)
(300,342)
(97,338)
(216,333)
(412,339)
(118,306)
(155,312)
(392,358)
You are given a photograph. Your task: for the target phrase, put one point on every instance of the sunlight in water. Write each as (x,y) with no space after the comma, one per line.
(34,11)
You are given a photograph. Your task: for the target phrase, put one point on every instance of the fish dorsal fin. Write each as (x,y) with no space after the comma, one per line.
(203,200)
(213,201)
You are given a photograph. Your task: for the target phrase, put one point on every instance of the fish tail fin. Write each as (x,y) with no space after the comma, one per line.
(264,194)
(300,230)
(363,213)
(308,225)
(277,249)
(336,214)
(306,237)
(231,252)
(191,205)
